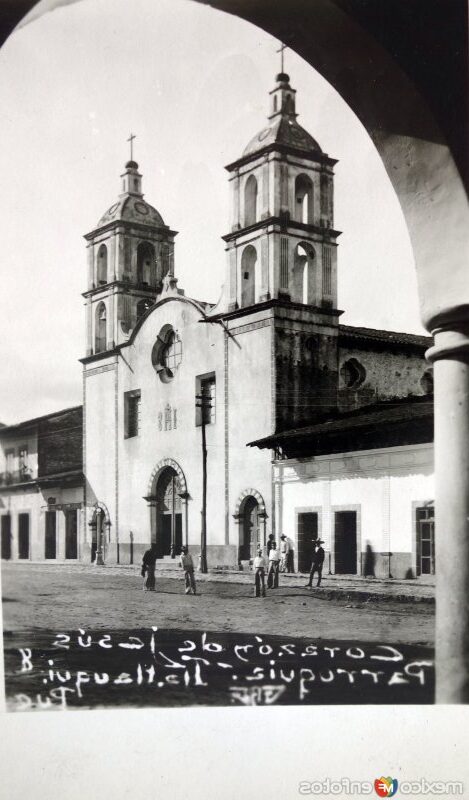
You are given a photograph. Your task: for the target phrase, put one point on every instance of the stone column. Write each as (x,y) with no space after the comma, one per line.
(450,356)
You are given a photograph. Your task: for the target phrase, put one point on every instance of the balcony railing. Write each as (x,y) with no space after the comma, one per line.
(16,476)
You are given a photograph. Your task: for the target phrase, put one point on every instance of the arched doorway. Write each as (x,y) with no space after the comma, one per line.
(249,531)
(250,516)
(99,526)
(168,518)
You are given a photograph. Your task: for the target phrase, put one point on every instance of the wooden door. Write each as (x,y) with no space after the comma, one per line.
(307,533)
(6,536)
(50,549)
(345,543)
(23,536)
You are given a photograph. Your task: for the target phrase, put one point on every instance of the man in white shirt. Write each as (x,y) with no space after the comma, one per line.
(259,567)
(284,553)
(187,564)
(274,564)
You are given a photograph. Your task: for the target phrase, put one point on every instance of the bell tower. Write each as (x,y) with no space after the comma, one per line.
(130,253)
(282,268)
(282,243)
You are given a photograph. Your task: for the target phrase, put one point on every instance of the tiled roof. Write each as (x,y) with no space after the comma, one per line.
(391,337)
(370,417)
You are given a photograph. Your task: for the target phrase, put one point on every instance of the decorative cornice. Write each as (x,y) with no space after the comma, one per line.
(136,288)
(284,224)
(311,155)
(274,303)
(127,224)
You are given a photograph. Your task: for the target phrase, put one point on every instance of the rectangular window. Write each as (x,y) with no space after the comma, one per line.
(205,386)
(9,464)
(23,460)
(23,535)
(71,533)
(284,262)
(326,270)
(425,521)
(50,544)
(132,413)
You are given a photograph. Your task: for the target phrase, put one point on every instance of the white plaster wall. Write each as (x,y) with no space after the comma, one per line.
(385,495)
(250,417)
(100,437)
(202,346)
(24,502)
(406,490)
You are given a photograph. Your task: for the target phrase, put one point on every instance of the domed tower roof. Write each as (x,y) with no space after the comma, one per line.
(283,129)
(130,206)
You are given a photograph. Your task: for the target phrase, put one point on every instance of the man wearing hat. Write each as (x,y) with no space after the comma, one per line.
(316,565)
(187,564)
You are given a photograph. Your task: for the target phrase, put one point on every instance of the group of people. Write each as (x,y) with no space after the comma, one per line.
(278,559)
(148,569)
(281,559)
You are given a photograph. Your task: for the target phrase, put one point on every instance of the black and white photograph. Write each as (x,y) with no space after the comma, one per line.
(234,405)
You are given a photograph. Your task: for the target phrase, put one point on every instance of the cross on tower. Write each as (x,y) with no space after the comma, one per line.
(281,50)
(131,140)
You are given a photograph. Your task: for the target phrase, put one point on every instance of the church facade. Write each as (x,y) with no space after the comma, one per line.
(171,384)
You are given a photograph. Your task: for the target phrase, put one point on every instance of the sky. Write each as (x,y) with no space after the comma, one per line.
(192,83)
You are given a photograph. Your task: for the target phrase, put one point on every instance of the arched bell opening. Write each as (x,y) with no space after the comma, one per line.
(303,274)
(248,276)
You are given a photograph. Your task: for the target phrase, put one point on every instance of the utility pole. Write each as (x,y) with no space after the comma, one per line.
(203,402)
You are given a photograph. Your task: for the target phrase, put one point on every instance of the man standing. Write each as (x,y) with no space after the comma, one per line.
(148,568)
(289,554)
(259,573)
(316,565)
(187,564)
(284,551)
(274,564)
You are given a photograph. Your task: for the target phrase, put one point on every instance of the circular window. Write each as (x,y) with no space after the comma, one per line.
(352,373)
(166,355)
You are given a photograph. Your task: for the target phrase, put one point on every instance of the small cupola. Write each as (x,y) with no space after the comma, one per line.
(283,98)
(132,179)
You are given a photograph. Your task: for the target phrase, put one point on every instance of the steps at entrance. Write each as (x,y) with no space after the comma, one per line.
(167,563)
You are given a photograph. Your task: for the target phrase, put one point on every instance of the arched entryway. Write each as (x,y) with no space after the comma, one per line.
(99,529)
(167,496)
(250,516)
(249,530)
(168,529)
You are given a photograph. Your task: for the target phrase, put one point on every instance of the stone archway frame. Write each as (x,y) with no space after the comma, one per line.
(262,513)
(105,538)
(151,499)
(100,506)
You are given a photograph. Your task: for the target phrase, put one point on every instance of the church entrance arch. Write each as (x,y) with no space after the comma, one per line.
(168,504)
(99,525)
(249,541)
(168,533)
(250,515)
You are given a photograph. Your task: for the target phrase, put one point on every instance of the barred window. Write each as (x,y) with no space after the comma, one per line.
(284,262)
(327,271)
(206,399)
(172,354)
(166,355)
(132,414)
